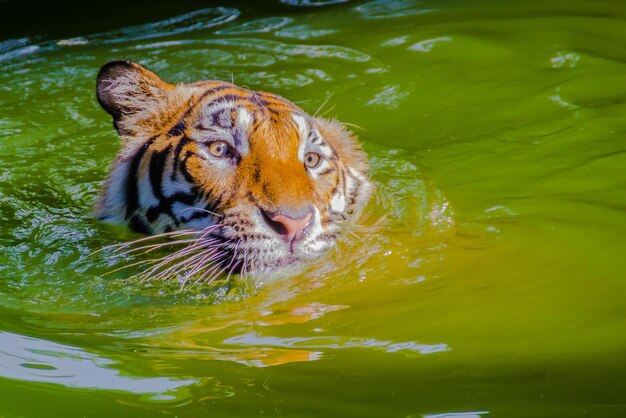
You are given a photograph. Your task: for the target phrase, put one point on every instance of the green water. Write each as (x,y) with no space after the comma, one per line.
(494,286)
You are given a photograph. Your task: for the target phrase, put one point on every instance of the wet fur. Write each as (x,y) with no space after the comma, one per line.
(164,179)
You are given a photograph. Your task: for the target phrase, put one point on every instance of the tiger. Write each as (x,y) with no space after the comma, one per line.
(248,171)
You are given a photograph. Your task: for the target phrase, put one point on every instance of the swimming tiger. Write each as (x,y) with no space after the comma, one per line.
(259,182)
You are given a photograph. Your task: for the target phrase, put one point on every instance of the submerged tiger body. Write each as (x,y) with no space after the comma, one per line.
(267,182)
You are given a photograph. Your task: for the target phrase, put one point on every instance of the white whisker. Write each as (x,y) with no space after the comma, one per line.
(323,104)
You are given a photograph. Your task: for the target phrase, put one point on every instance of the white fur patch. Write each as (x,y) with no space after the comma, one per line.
(312,243)
(326,151)
(243,124)
(317,245)
(338,203)
(356,174)
(323,166)
(303,130)
(244,119)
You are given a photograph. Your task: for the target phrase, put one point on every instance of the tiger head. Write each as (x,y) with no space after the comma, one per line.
(267,182)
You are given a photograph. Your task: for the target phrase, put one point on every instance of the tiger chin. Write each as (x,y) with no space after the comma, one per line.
(255,182)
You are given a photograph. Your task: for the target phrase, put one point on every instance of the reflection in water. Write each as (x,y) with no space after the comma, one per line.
(332,342)
(495,131)
(37,360)
(477,414)
(266,357)
(258,349)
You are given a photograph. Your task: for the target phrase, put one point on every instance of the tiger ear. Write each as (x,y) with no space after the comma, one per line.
(129,92)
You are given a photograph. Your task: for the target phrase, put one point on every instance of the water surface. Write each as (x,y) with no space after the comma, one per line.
(494,287)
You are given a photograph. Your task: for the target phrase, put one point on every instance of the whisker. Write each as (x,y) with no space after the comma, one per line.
(232,269)
(153,247)
(354,125)
(118,247)
(184,252)
(214,276)
(213,260)
(212,271)
(125,267)
(329,109)
(168,259)
(235,252)
(208,259)
(323,104)
(244,268)
(205,210)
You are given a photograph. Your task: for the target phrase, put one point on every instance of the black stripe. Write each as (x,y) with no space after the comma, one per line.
(327,171)
(138,225)
(355,193)
(225,98)
(185,198)
(157,165)
(213,205)
(179,147)
(165,205)
(214,90)
(345,184)
(256,99)
(153,213)
(209,209)
(183,166)
(191,106)
(199,214)
(256,175)
(237,138)
(178,129)
(131,192)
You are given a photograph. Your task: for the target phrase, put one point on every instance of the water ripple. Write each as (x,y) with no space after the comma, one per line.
(197,20)
(314,3)
(385,9)
(16,52)
(281,50)
(13,44)
(429,44)
(287,50)
(303,32)
(267,24)
(35,360)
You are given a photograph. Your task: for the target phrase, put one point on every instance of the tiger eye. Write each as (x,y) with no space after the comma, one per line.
(218,149)
(312,159)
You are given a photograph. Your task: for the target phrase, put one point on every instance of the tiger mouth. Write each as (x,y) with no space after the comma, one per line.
(201,256)
(253,258)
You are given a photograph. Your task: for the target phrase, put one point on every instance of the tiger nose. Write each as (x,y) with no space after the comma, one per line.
(289,228)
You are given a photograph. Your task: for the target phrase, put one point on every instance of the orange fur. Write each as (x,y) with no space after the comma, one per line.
(167,128)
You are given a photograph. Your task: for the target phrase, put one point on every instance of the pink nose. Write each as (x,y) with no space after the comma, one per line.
(288,228)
